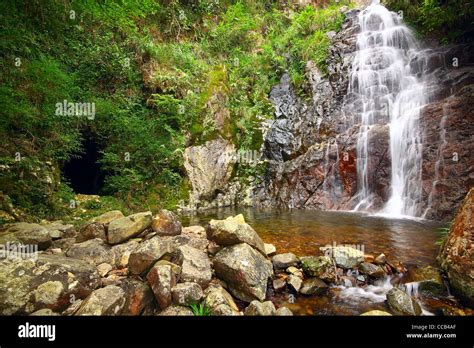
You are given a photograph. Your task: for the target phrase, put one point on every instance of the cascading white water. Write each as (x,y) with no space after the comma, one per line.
(384,90)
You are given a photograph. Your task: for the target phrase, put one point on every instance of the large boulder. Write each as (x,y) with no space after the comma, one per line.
(57,229)
(209,167)
(196,266)
(245,270)
(402,303)
(94,251)
(146,254)
(166,224)
(91,230)
(104,301)
(48,281)
(319,266)
(27,234)
(219,301)
(139,298)
(457,254)
(127,227)
(108,217)
(234,230)
(162,279)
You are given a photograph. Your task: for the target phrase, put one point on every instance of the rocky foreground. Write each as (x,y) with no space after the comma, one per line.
(150,265)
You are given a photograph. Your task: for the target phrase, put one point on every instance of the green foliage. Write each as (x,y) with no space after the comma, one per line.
(450,21)
(160,73)
(199,310)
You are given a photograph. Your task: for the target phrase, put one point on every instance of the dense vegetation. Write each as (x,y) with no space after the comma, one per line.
(160,74)
(163,75)
(445,20)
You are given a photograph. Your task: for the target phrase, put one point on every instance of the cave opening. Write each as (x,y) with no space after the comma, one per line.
(83,172)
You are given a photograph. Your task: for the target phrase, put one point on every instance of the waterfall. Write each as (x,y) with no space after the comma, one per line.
(384,89)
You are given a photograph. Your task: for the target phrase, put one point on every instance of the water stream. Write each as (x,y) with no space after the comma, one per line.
(384,89)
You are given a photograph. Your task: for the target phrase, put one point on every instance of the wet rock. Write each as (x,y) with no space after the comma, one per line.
(27,234)
(245,270)
(376,313)
(187,293)
(283,312)
(279,284)
(314,286)
(176,311)
(269,249)
(295,271)
(345,257)
(139,298)
(108,217)
(234,230)
(166,224)
(196,266)
(161,280)
(105,301)
(257,308)
(125,228)
(50,281)
(209,167)
(371,270)
(220,302)
(456,256)
(380,260)
(401,303)
(294,282)
(283,261)
(146,254)
(91,231)
(319,266)
(94,251)
(429,281)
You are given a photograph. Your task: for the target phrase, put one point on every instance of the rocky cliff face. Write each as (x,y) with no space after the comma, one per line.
(312,152)
(456,256)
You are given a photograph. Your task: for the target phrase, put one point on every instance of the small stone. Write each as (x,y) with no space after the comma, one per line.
(294,282)
(103,269)
(257,308)
(270,249)
(376,313)
(283,311)
(371,270)
(176,311)
(314,286)
(283,261)
(279,284)
(186,294)
(380,260)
